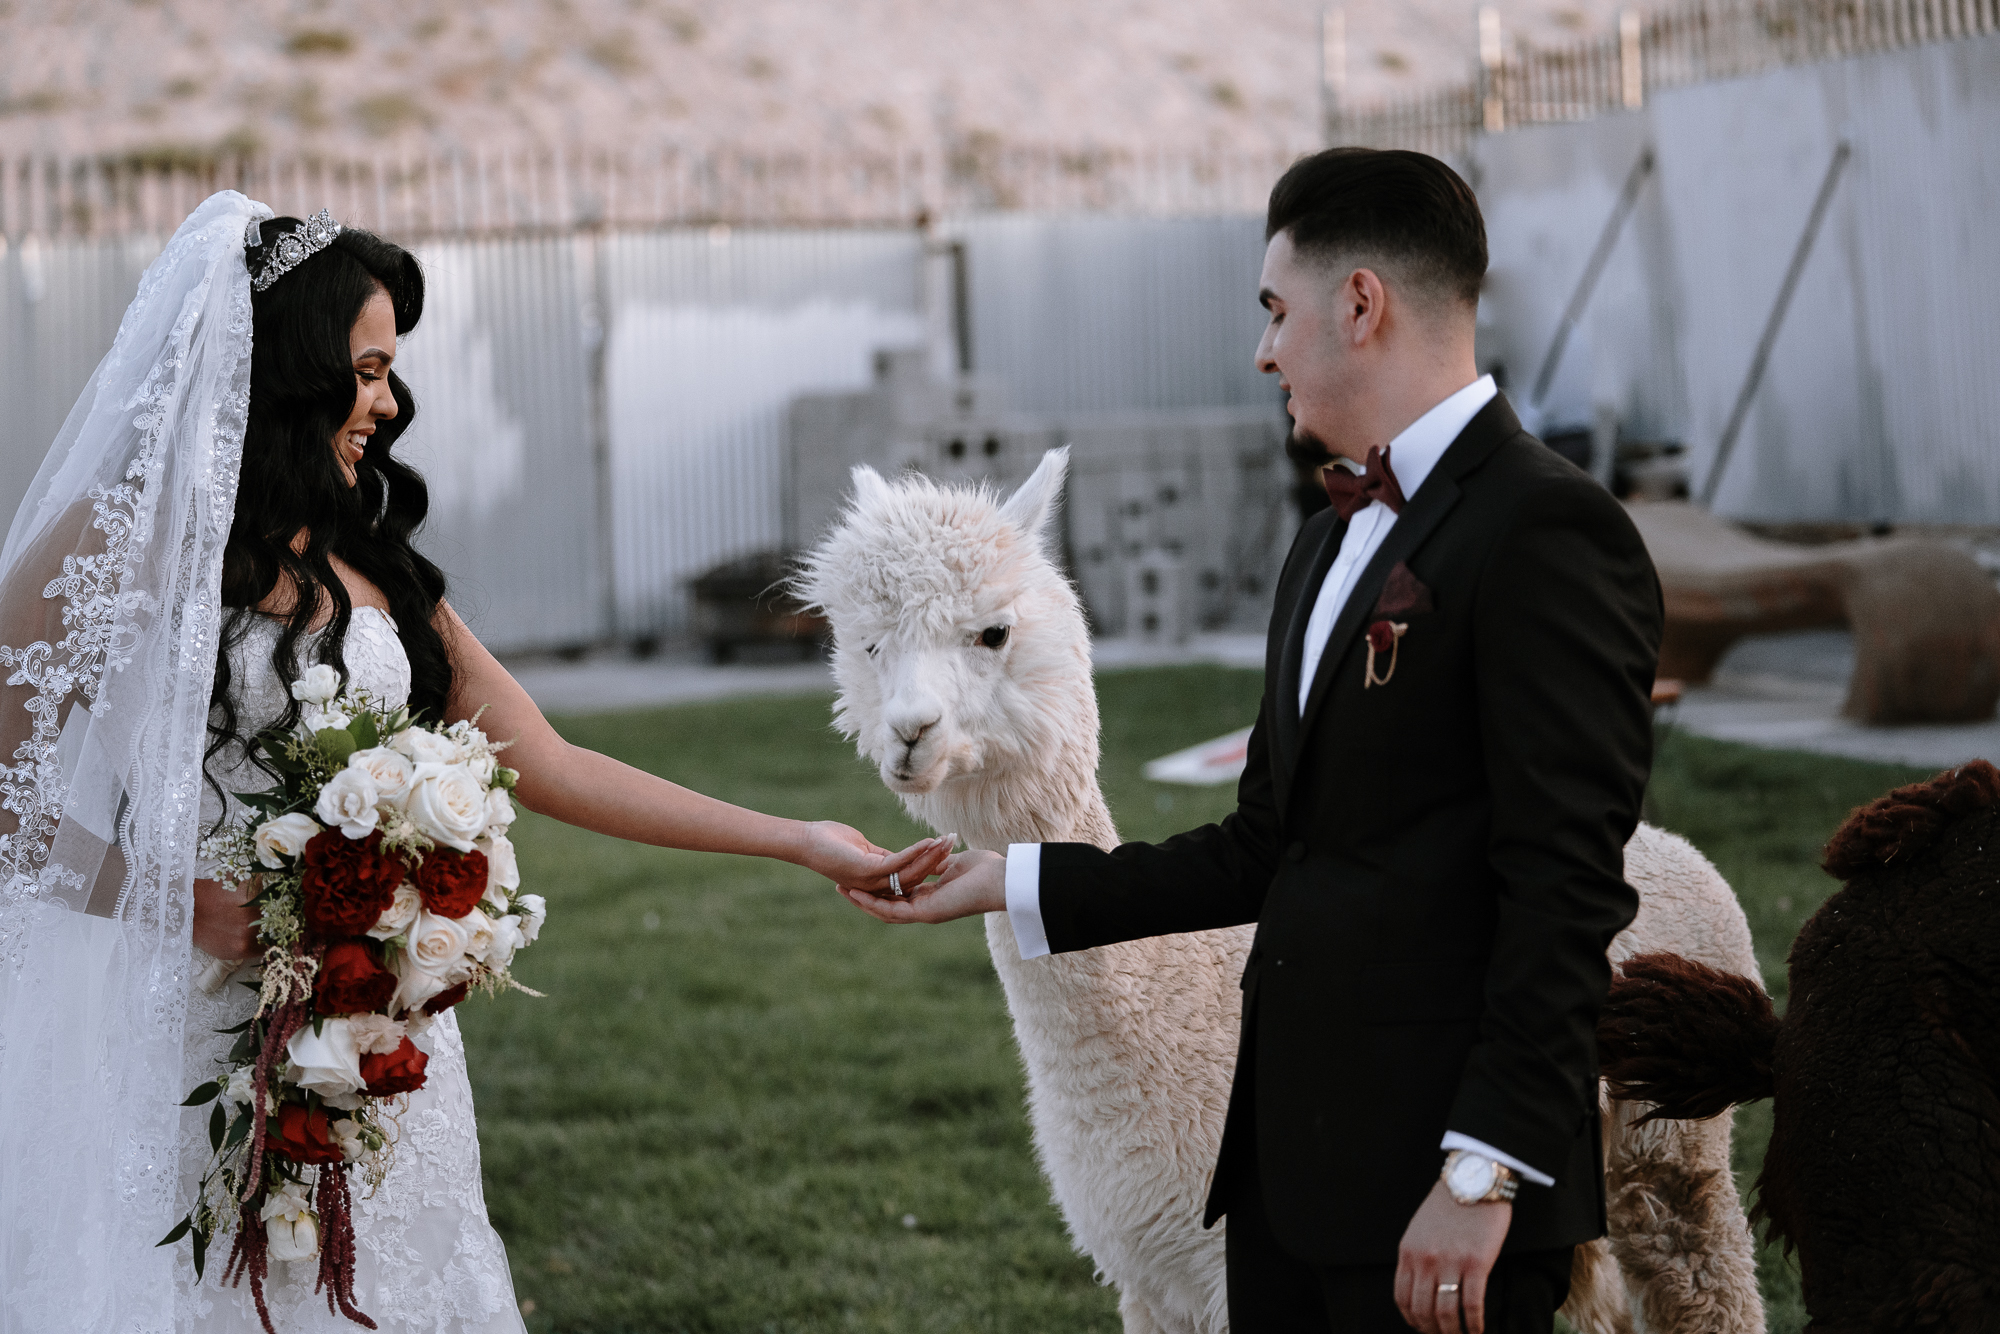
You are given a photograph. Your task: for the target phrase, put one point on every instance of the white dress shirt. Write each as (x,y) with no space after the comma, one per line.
(1412,456)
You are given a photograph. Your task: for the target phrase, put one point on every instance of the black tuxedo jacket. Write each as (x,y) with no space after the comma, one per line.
(1435,865)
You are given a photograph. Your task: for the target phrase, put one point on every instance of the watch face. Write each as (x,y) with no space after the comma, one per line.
(1471,1176)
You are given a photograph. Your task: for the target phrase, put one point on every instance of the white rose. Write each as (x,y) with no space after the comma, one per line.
(242,1083)
(349,800)
(290,1225)
(434,960)
(506,939)
(478,933)
(319,684)
(483,765)
(424,747)
(534,911)
(390,771)
(284,837)
(499,811)
(447,804)
(326,1062)
(503,871)
(401,912)
(414,986)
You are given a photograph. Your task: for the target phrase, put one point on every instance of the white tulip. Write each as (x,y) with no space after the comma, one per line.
(327,1062)
(349,800)
(507,938)
(534,911)
(401,912)
(318,684)
(290,1226)
(503,869)
(447,804)
(390,770)
(284,837)
(499,811)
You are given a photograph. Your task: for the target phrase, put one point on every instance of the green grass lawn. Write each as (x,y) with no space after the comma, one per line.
(745,1106)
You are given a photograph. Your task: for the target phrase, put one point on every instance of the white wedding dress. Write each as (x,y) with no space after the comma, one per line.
(427,1261)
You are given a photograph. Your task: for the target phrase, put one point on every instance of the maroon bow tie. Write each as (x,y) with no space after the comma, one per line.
(1351,494)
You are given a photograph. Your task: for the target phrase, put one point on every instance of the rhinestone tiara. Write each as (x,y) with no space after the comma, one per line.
(296,247)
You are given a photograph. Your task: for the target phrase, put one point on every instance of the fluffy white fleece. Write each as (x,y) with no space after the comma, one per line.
(1129,1049)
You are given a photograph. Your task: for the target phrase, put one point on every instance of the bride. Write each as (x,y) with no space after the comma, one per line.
(222,510)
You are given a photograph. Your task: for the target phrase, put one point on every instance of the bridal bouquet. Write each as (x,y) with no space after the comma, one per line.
(388,891)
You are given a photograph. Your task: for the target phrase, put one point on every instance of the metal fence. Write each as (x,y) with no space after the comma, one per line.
(1718,39)
(517,190)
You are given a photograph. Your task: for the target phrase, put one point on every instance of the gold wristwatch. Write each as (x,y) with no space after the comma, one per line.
(1473,1178)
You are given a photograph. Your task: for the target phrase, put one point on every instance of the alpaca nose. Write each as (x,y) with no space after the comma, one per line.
(910,733)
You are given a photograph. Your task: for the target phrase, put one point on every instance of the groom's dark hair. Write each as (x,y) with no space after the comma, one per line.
(1407,211)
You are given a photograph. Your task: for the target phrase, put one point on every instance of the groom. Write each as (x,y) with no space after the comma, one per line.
(1429,831)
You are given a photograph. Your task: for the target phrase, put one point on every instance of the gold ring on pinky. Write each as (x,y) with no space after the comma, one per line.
(1444,1288)
(896,884)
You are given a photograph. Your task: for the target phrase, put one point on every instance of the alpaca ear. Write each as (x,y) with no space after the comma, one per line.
(868,485)
(1032,507)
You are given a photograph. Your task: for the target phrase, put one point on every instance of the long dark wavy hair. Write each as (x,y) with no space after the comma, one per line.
(302,391)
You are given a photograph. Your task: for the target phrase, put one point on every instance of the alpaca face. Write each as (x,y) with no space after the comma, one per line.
(949,624)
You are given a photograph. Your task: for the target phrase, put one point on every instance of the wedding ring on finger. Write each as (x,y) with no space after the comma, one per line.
(1446,1289)
(896,884)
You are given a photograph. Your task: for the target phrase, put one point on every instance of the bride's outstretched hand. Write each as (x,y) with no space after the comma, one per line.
(846,857)
(974,881)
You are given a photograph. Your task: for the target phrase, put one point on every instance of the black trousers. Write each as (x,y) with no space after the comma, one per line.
(1272,1292)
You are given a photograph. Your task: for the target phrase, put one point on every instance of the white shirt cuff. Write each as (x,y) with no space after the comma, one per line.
(1024,898)
(1452,1139)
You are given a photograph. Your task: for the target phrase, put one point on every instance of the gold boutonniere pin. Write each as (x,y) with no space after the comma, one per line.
(1383,637)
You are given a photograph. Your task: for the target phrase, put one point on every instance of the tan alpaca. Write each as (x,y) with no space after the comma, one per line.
(963,663)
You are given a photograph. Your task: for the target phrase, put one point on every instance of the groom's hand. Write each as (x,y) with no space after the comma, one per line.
(971,882)
(1446,1243)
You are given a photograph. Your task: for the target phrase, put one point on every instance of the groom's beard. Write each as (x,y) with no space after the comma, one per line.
(1307,451)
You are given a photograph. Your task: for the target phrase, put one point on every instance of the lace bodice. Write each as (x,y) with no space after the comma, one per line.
(427,1260)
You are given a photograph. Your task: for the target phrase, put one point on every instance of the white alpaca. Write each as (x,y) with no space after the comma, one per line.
(963,663)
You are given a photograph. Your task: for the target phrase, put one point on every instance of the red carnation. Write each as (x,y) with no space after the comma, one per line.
(447,998)
(1382,636)
(452,883)
(352,979)
(398,1071)
(347,882)
(305,1135)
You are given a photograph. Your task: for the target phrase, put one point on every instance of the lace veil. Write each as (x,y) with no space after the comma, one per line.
(109,615)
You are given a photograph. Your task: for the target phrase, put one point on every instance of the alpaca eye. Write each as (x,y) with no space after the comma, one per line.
(993,636)
(870,650)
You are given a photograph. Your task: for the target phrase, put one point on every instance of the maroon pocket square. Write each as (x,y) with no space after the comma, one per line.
(1403,594)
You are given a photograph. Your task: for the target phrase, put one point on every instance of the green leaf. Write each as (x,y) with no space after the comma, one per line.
(336,743)
(238,1028)
(180,1230)
(200,1253)
(239,1130)
(206,1093)
(366,735)
(218,1122)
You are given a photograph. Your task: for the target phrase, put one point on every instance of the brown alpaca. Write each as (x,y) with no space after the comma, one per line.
(1884,1165)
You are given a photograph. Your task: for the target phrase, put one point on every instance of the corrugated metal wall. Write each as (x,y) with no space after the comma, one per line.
(1109,314)
(601,415)
(1880,401)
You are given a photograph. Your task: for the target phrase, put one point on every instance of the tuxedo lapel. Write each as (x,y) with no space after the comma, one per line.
(1291,661)
(1493,424)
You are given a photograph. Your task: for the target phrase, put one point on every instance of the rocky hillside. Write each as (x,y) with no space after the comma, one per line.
(179,77)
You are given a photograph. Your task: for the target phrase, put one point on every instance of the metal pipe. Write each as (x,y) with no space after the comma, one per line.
(1762,356)
(1587,284)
